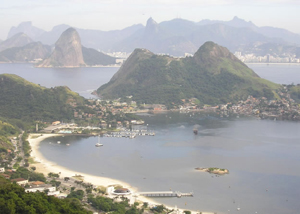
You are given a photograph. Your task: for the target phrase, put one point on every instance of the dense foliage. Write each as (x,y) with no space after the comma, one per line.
(21,99)
(213,76)
(29,175)
(13,199)
(295,92)
(108,205)
(6,130)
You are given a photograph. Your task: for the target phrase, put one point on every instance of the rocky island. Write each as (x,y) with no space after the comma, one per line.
(213,170)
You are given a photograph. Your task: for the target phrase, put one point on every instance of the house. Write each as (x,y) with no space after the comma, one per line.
(36,183)
(103,124)
(2,169)
(42,188)
(55,123)
(6,176)
(20,181)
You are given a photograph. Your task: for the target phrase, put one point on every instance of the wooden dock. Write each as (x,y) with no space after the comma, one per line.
(165,194)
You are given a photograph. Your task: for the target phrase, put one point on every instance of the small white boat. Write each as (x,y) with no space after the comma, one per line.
(68,144)
(58,142)
(98,144)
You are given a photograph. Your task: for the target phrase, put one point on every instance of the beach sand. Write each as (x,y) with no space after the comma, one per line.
(44,166)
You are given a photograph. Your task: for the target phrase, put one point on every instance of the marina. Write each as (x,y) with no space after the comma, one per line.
(130,133)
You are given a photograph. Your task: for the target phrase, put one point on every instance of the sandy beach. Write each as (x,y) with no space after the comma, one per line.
(45,166)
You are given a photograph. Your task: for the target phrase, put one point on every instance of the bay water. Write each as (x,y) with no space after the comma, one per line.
(261,156)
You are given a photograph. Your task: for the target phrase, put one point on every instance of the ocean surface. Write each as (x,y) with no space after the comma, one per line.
(262,156)
(81,80)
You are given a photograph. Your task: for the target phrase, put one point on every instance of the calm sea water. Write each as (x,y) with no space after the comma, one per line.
(81,80)
(262,156)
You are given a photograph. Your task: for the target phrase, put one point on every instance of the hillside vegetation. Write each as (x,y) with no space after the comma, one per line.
(22,100)
(13,199)
(213,75)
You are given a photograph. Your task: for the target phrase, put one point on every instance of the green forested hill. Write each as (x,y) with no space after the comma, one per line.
(6,130)
(13,199)
(20,99)
(213,75)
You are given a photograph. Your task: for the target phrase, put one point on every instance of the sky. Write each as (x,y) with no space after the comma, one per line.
(118,14)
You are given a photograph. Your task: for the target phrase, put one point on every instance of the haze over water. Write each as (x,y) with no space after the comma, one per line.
(262,156)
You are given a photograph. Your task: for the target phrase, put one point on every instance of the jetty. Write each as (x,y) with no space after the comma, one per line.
(165,194)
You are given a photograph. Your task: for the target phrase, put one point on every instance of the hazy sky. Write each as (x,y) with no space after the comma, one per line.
(118,14)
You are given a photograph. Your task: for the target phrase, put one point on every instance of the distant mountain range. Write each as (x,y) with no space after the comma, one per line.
(175,37)
(18,40)
(68,52)
(26,53)
(213,76)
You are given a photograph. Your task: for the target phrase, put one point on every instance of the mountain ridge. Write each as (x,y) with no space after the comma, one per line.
(213,76)
(179,36)
(18,40)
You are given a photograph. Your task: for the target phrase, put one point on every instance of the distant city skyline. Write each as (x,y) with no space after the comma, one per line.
(117,14)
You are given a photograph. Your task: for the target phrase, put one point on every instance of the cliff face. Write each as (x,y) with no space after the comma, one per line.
(67,52)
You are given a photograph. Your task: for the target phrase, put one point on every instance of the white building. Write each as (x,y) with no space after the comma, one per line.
(20,181)
(42,188)
(2,169)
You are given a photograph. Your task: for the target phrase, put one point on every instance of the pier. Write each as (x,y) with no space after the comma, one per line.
(165,194)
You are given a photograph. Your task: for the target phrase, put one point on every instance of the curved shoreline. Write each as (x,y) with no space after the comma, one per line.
(45,166)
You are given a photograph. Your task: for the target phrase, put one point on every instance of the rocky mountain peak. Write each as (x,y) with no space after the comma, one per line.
(151,27)
(213,50)
(27,28)
(67,52)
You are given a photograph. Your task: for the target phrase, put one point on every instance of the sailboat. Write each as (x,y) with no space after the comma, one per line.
(98,144)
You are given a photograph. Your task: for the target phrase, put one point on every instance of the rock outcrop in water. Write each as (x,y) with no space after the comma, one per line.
(67,52)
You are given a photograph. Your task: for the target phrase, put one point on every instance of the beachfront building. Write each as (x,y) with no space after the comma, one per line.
(121,191)
(20,181)
(42,188)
